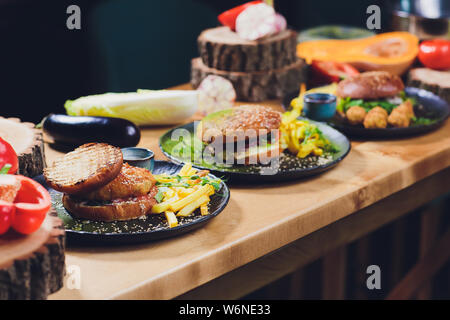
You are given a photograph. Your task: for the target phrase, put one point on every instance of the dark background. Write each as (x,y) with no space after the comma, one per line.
(123,45)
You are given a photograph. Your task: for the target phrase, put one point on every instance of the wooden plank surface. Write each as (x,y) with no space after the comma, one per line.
(306,250)
(257,221)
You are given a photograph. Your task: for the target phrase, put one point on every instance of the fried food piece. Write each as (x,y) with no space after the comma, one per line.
(379,109)
(399,119)
(376,118)
(355,115)
(131,182)
(401,116)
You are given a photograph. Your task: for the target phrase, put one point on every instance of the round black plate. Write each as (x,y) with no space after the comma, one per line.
(149,228)
(240,174)
(434,107)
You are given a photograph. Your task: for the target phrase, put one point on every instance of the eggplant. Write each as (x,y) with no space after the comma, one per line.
(78,130)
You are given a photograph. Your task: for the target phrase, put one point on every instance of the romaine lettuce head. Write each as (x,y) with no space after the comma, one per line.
(145,107)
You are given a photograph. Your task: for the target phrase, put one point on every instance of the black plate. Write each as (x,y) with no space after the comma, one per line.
(152,227)
(434,107)
(250,174)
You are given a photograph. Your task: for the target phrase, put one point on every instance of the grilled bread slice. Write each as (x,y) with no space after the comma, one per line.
(115,210)
(87,168)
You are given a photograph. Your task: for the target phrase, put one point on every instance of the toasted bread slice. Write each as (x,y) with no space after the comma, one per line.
(116,210)
(87,168)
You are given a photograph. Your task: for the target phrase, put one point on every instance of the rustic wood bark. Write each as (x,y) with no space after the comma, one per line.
(437,82)
(256,86)
(222,49)
(33,266)
(28,143)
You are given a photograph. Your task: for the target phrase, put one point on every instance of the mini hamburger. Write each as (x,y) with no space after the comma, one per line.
(247,134)
(374,99)
(98,186)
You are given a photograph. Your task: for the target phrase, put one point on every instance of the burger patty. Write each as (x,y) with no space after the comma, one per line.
(240,123)
(131,182)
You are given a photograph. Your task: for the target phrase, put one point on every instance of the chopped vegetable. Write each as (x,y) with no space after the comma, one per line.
(325,72)
(435,54)
(8,158)
(256,22)
(215,93)
(228,18)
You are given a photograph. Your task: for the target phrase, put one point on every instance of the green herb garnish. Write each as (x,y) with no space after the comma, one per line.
(5,169)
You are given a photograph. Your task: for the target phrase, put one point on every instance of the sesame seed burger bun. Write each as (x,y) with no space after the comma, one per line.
(370,85)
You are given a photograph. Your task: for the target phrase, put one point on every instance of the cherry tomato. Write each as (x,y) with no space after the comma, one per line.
(435,54)
(32,204)
(7,213)
(325,72)
(8,156)
(228,18)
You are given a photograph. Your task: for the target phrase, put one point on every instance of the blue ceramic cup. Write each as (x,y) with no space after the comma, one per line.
(139,157)
(319,106)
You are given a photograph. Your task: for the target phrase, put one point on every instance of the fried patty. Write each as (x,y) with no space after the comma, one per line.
(239,123)
(131,182)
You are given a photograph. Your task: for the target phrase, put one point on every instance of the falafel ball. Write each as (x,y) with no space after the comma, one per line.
(376,118)
(356,114)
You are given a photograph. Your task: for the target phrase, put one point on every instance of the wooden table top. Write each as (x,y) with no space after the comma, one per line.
(257,220)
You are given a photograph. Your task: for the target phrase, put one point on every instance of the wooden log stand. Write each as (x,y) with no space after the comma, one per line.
(27,142)
(435,81)
(33,266)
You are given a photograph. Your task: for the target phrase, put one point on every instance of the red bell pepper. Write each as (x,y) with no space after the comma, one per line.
(32,204)
(8,156)
(435,54)
(26,214)
(325,72)
(228,18)
(7,214)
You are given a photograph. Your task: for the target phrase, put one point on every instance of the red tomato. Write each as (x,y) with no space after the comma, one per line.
(7,211)
(8,156)
(325,72)
(228,18)
(435,54)
(32,204)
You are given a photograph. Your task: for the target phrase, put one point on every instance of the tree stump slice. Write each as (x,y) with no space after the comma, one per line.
(258,85)
(222,49)
(28,143)
(435,81)
(33,266)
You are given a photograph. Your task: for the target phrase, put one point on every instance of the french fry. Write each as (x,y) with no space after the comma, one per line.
(185,169)
(163,206)
(191,172)
(204,209)
(184,192)
(188,209)
(171,219)
(179,204)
